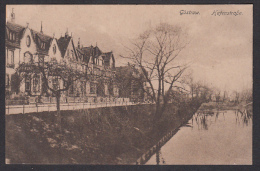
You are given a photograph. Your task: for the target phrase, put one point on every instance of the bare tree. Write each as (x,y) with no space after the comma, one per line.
(189,80)
(247,95)
(237,97)
(217,96)
(61,72)
(155,53)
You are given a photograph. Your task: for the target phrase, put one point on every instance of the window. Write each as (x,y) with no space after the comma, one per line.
(54,49)
(72,53)
(71,90)
(98,71)
(27,83)
(36,83)
(27,57)
(92,88)
(83,88)
(55,83)
(10,58)
(7,80)
(41,60)
(28,41)
(43,45)
(12,36)
(6,55)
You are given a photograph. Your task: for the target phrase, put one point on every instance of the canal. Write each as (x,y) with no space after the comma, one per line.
(220,137)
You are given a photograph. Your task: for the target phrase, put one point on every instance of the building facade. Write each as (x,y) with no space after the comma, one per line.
(131,83)
(26,46)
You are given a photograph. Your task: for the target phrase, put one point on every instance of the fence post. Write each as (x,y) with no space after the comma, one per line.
(23,108)
(37,106)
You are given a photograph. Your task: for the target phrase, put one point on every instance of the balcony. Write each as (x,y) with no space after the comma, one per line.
(10,65)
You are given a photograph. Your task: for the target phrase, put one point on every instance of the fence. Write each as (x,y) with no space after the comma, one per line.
(39,107)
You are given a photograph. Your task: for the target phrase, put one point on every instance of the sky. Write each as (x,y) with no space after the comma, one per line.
(220,48)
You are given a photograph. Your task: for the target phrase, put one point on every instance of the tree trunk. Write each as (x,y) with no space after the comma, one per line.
(59,126)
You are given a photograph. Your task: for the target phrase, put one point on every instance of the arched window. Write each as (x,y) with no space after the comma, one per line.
(28,41)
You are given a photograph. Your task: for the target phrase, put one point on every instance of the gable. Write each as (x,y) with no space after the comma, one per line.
(27,42)
(70,52)
(54,51)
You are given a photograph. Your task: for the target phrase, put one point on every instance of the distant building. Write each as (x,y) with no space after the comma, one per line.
(131,82)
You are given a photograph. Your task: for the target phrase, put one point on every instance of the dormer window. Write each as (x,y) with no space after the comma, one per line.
(72,53)
(43,45)
(12,36)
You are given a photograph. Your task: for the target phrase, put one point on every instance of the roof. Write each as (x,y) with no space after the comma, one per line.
(63,43)
(107,56)
(96,52)
(14,28)
(87,53)
(40,38)
(91,51)
(129,69)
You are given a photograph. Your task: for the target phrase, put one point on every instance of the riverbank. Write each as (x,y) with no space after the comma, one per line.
(212,106)
(109,135)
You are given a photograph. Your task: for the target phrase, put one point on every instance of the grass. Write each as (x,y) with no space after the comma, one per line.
(114,135)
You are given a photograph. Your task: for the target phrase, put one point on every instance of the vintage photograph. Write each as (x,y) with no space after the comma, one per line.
(129,84)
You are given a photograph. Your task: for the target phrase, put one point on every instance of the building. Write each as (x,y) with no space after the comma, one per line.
(27,46)
(24,45)
(131,83)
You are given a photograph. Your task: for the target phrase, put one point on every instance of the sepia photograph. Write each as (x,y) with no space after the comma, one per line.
(129,84)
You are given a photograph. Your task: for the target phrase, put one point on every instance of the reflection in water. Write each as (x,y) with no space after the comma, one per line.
(159,158)
(202,121)
(219,137)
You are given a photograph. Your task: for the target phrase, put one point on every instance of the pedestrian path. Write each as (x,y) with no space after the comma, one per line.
(35,108)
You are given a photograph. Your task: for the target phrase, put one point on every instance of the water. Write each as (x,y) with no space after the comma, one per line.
(223,137)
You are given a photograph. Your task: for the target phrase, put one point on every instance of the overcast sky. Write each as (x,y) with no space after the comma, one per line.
(221,47)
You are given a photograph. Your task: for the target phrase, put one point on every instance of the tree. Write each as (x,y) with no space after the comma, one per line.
(237,97)
(217,96)
(155,52)
(59,72)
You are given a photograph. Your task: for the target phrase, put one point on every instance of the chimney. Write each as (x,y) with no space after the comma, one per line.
(41,28)
(13,16)
(67,33)
(79,43)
